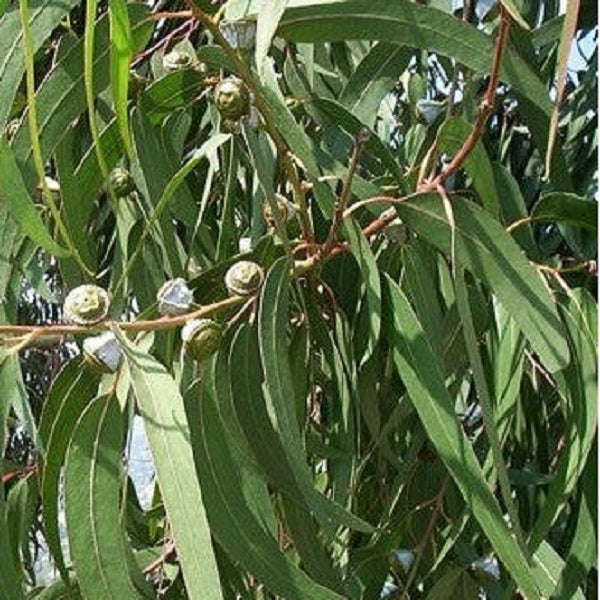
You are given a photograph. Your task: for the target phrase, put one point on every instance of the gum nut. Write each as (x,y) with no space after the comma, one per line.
(244,278)
(232,98)
(86,305)
(103,351)
(174,297)
(121,182)
(201,338)
(177,59)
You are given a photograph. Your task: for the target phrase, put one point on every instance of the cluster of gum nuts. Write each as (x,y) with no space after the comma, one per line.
(88,305)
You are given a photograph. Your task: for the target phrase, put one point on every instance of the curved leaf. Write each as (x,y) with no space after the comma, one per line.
(484,247)
(71,391)
(415,25)
(93,480)
(161,406)
(421,373)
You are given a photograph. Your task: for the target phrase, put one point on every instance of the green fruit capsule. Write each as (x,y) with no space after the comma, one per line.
(86,305)
(244,278)
(201,338)
(232,98)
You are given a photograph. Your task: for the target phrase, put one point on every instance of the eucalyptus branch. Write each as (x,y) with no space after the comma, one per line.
(362,137)
(485,109)
(283,151)
(32,332)
(420,549)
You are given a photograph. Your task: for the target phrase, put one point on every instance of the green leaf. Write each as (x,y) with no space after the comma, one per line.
(566,208)
(61,98)
(121,51)
(175,90)
(229,506)
(373,78)
(564,48)
(93,480)
(451,136)
(578,386)
(161,407)
(268,19)
(10,587)
(273,322)
(548,568)
(16,198)
(513,10)
(484,247)
(421,374)
(71,392)
(415,25)
(44,16)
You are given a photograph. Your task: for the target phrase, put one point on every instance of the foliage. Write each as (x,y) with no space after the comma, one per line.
(395,396)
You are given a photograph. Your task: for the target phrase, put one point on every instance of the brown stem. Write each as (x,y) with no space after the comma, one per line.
(340,206)
(420,549)
(37,331)
(283,151)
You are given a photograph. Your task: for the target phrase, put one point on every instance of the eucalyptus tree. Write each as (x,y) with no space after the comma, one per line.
(338,258)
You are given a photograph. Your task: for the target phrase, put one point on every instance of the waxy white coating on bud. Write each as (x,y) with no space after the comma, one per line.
(103,351)
(174,297)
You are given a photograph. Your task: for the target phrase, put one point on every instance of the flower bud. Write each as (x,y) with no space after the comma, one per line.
(103,351)
(174,297)
(232,98)
(284,209)
(201,338)
(176,60)
(121,182)
(86,305)
(244,278)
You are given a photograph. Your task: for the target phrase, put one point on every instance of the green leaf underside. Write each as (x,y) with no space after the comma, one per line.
(93,476)
(412,25)
(484,248)
(161,407)
(421,374)
(236,526)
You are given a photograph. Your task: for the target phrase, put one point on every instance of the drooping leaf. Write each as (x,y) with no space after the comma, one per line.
(161,406)
(93,479)
(266,24)
(422,376)
(273,320)
(484,247)
(16,198)
(566,208)
(71,392)
(121,51)
(232,520)
(44,16)
(411,24)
